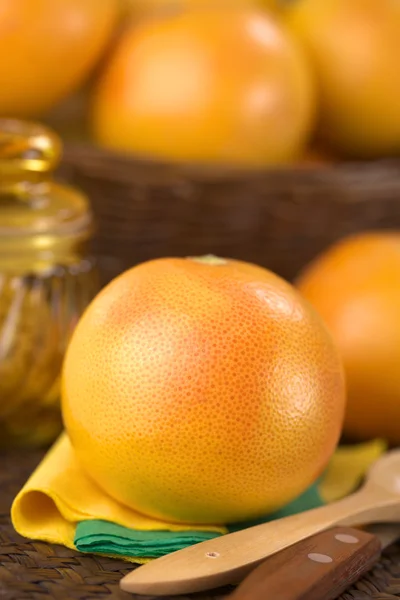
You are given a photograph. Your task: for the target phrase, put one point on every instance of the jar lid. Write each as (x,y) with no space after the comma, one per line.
(30,201)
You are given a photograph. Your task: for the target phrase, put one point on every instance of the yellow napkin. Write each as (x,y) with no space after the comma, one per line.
(347,469)
(59,495)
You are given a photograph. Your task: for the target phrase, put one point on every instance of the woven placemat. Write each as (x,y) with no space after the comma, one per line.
(32,570)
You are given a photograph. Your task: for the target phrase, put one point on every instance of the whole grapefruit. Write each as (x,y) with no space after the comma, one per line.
(202,390)
(48,48)
(139,8)
(211,85)
(355,286)
(354,47)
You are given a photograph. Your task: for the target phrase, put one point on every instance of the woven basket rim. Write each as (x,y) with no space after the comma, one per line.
(92,155)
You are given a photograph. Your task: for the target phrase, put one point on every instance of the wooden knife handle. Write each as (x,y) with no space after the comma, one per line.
(318,568)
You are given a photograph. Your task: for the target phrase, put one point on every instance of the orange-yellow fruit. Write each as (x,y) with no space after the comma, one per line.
(145,7)
(209,85)
(355,286)
(354,46)
(48,47)
(202,391)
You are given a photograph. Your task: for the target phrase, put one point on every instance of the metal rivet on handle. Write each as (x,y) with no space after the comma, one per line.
(346,538)
(320,558)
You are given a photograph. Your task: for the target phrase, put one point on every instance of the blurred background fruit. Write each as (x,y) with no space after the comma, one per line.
(218,375)
(208,85)
(355,286)
(143,7)
(354,47)
(48,48)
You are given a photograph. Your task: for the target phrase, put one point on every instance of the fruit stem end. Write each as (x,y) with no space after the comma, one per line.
(209,259)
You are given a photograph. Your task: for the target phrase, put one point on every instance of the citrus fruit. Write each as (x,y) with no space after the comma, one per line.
(355,286)
(202,390)
(145,7)
(354,47)
(48,48)
(207,85)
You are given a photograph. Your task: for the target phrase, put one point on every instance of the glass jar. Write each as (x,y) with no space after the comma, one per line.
(46,280)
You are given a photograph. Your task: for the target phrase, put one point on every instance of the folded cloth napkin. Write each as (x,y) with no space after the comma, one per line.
(61,505)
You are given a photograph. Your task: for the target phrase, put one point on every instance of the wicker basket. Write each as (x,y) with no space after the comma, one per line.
(277,218)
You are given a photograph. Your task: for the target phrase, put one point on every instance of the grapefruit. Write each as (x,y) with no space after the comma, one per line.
(48,48)
(208,85)
(202,391)
(354,46)
(146,7)
(355,286)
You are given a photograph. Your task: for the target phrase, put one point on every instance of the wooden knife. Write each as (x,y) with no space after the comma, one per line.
(320,567)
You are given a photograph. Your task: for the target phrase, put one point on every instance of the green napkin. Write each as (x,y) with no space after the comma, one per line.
(108,538)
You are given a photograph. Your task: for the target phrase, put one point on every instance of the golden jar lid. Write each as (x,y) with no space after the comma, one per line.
(30,200)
